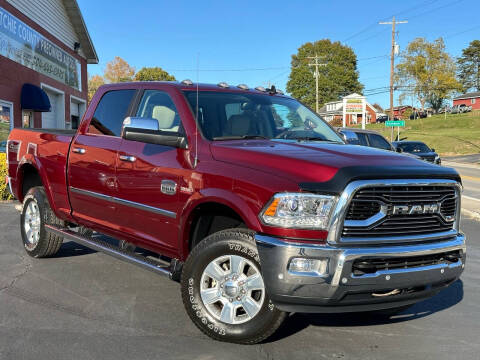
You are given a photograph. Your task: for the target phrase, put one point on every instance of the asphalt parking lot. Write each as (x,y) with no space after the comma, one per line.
(87,305)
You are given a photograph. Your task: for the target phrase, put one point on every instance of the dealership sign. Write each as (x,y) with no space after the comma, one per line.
(353,106)
(22,44)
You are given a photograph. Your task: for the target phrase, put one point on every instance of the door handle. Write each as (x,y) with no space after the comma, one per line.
(79,151)
(128,158)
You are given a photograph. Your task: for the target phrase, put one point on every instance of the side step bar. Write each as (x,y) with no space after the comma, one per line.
(103,246)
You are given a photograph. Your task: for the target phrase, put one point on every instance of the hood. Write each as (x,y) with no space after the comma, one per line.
(315,161)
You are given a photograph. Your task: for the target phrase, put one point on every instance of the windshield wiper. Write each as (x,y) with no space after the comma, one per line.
(237,137)
(310,138)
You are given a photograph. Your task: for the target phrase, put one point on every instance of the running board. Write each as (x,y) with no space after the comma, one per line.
(116,252)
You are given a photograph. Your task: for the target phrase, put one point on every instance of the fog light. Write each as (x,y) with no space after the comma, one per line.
(303,266)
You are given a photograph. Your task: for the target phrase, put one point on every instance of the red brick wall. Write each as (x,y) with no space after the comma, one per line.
(14,75)
(468,102)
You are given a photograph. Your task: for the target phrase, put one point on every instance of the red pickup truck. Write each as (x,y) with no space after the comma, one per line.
(254,203)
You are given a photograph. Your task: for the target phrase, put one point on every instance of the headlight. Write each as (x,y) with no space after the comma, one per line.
(298,211)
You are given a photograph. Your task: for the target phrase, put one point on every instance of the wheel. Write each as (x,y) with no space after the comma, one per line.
(36,212)
(223,289)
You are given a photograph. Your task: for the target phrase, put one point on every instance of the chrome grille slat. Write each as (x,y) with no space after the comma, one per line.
(400,225)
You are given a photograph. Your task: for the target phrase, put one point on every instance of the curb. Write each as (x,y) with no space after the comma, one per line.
(459,164)
(471,214)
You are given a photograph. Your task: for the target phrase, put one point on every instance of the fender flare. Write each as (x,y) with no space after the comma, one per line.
(219,196)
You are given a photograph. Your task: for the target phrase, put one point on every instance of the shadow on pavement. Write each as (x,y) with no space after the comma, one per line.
(443,300)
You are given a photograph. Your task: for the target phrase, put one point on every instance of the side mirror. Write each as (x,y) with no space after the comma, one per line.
(147,130)
(399,150)
(433,150)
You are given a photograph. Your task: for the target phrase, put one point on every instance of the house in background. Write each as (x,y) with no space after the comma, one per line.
(333,111)
(469,99)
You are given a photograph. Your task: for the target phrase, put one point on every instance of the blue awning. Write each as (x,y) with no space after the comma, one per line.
(34,98)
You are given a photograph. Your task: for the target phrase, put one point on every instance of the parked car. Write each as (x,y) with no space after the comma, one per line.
(369,138)
(419,149)
(382,118)
(252,201)
(3,146)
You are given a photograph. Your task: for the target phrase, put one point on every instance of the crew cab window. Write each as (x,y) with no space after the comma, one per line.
(362,139)
(158,105)
(110,112)
(377,141)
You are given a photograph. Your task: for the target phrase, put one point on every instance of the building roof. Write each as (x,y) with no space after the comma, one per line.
(75,15)
(470,95)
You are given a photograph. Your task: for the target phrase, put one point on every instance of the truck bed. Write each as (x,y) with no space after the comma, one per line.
(46,150)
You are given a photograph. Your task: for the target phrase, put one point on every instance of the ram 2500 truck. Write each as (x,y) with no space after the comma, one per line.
(254,203)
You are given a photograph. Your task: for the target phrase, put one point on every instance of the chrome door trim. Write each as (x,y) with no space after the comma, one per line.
(339,213)
(120,201)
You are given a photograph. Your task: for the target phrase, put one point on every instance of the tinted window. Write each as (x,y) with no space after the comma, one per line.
(379,142)
(224,116)
(111,112)
(414,147)
(362,139)
(159,106)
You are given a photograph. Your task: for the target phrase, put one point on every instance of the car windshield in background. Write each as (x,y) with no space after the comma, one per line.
(230,116)
(414,147)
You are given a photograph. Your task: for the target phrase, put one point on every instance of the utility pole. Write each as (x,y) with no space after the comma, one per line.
(316,75)
(392,59)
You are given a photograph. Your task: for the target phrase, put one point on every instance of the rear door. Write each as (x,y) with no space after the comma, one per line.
(92,161)
(149,178)
(379,142)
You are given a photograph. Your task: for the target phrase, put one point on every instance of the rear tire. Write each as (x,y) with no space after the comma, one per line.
(223,290)
(36,213)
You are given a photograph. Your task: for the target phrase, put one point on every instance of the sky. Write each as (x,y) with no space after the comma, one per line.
(252,42)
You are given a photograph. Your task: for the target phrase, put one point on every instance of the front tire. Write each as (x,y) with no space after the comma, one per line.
(36,212)
(223,290)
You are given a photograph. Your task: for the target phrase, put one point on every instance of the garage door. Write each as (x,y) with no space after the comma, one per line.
(52,119)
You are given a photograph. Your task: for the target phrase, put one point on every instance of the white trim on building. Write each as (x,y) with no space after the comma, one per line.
(56,117)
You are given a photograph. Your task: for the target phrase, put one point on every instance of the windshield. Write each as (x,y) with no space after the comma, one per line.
(414,147)
(227,116)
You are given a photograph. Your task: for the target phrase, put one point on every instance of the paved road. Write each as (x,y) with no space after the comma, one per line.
(86,305)
(471,186)
(471,159)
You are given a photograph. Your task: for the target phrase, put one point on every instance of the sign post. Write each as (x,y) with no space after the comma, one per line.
(397,124)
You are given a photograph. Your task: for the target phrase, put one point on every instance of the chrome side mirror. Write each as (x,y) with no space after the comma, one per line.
(139,123)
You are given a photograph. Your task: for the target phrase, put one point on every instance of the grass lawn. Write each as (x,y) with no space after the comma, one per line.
(458,134)
(4,131)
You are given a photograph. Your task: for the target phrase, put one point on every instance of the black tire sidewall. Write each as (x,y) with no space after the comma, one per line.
(38,195)
(214,246)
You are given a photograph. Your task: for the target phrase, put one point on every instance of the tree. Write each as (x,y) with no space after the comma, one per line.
(378,107)
(94,82)
(118,70)
(153,74)
(469,67)
(427,72)
(339,77)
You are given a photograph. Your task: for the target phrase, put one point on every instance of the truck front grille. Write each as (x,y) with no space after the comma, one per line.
(407,210)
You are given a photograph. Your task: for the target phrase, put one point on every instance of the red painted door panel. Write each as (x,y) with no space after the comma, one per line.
(144,211)
(91,178)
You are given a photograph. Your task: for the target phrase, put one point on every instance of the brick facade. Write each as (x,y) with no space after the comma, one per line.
(13,75)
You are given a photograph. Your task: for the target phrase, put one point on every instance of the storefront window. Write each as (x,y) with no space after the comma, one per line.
(6,119)
(27,119)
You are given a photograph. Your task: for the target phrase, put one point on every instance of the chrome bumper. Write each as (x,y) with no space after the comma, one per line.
(339,290)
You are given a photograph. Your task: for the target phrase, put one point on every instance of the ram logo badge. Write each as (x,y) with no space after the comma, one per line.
(415,209)
(168,187)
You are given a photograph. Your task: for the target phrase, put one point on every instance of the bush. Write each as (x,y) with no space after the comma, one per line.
(4,193)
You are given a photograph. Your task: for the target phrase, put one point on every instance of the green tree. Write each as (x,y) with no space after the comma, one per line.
(118,70)
(153,74)
(94,82)
(337,78)
(427,72)
(469,67)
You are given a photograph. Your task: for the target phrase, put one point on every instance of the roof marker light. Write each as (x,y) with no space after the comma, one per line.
(260,88)
(187,82)
(223,85)
(243,87)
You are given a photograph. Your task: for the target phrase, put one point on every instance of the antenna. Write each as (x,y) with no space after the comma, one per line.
(195,160)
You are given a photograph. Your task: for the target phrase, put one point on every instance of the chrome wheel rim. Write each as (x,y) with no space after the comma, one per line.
(232,289)
(31,224)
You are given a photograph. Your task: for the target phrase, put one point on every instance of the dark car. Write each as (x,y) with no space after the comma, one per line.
(366,138)
(3,146)
(420,149)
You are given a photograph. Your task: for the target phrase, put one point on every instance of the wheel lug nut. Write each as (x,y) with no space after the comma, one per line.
(243,291)
(238,298)
(231,300)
